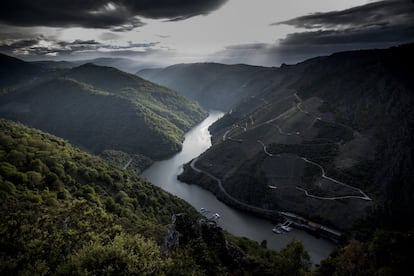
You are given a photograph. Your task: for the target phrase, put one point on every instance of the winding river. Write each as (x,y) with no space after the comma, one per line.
(197,140)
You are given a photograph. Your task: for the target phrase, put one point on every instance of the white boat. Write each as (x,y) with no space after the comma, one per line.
(276,230)
(286,228)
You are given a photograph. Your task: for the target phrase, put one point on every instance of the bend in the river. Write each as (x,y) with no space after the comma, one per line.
(197,140)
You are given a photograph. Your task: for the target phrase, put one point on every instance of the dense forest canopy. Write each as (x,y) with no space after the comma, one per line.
(64,211)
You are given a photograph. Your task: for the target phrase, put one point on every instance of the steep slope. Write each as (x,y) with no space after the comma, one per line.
(213,85)
(64,211)
(102,108)
(375,96)
(384,253)
(332,144)
(13,71)
(160,100)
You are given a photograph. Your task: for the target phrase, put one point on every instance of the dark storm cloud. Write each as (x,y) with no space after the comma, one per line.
(118,15)
(53,13)
(77,42)
(351,36)
(174,9)
(24,43)
(389,21)
(376,25)
(14,46)
(374,15)
(42,46)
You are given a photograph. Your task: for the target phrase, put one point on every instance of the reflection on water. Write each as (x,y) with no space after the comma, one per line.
(164,174)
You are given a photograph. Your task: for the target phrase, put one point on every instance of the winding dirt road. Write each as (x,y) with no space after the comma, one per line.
(226,136)
(323,175)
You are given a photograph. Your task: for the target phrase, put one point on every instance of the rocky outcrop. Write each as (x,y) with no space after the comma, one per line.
(183,230)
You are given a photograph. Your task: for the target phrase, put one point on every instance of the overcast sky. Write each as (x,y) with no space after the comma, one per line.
(163,32)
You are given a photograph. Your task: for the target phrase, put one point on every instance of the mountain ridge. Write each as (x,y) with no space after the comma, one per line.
(14,70)
(213,85)
(105,109)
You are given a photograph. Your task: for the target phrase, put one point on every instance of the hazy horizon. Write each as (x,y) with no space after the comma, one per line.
(161,33)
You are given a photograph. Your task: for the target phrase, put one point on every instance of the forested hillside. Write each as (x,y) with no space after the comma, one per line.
(64,211)
(102,108)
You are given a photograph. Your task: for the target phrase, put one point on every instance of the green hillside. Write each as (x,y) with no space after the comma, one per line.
(64,212)
(157,99)
(386,252)
(102,108)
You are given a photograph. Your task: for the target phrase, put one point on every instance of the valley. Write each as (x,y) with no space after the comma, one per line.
(214,137)
(240,223)
(65,211)
(292,147)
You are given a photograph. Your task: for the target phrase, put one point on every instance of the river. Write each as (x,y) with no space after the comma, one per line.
(197,140)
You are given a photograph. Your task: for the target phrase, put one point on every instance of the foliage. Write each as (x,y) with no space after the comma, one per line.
(386,253)
(291,260)
(101,108)
(125,254)
(137,162)
(158,100)
(64,211)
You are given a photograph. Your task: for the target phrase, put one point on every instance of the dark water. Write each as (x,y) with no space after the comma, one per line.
(164,174)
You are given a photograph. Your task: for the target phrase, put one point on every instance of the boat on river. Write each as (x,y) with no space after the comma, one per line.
(276,230)
(286,228)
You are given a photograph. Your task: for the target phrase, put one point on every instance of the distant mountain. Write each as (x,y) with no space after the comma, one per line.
(51,64)
(123,64)
(101,108)
(213,85)
(331,141)
(64,211)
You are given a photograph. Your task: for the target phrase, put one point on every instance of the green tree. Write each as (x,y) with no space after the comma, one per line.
(297,259)
(34,178)
(124,255)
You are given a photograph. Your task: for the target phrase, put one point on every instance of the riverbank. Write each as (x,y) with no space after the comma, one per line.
(239,223)
(192,174)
